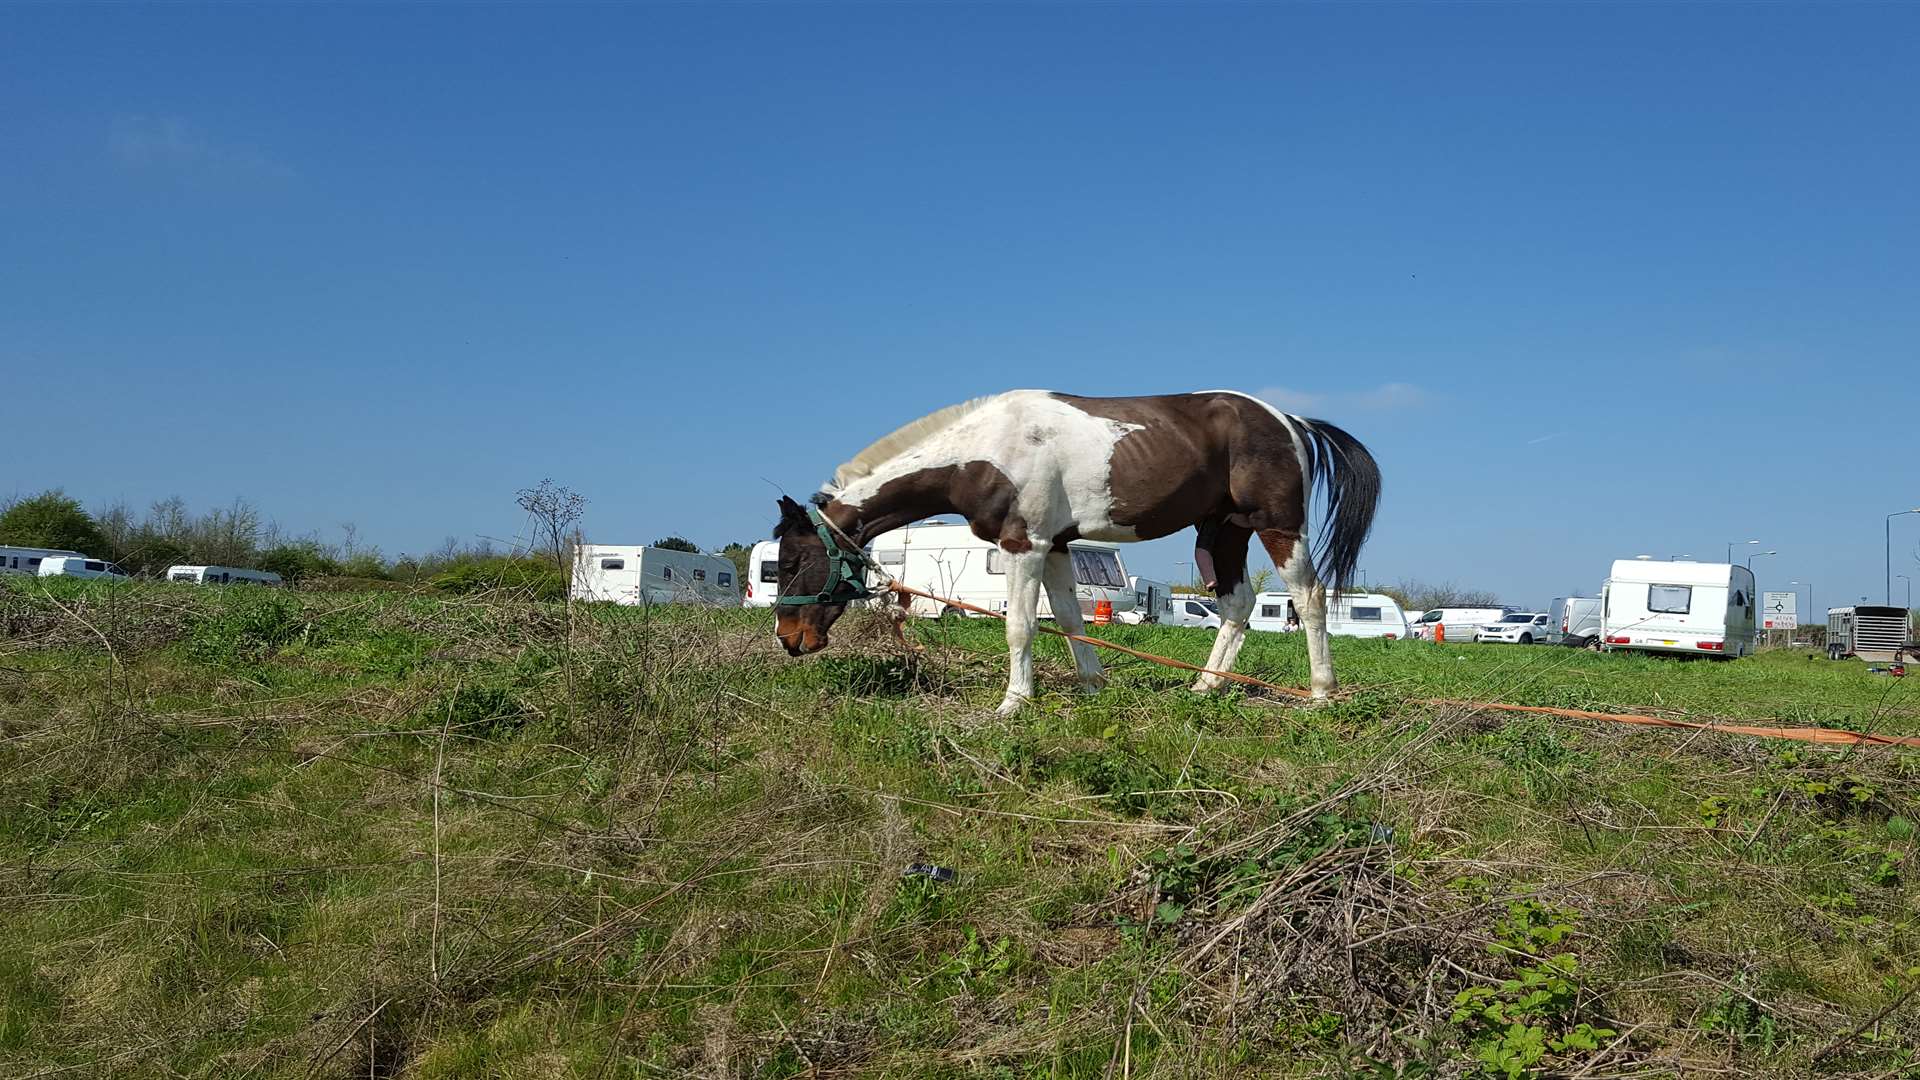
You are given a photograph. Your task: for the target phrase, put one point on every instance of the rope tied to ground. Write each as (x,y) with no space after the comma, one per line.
(1824,736)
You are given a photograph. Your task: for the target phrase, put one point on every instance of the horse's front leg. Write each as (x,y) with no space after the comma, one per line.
(1024,574)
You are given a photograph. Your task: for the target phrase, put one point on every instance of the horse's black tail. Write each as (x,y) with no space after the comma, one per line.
(1349,481)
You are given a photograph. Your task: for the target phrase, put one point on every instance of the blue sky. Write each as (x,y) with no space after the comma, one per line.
(1591,281)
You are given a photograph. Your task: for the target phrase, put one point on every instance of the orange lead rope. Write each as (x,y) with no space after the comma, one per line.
(1829,736)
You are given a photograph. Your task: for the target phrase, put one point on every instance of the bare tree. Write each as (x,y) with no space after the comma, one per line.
(554,510)
(1425,595)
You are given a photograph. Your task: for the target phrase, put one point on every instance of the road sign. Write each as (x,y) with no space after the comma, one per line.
(1780,611)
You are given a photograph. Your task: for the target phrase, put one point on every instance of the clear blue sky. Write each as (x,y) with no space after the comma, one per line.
(1592,281)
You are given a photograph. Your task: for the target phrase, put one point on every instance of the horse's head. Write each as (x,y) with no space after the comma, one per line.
(802,628)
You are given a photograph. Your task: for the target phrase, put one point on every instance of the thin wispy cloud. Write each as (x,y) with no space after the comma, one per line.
(171,145)
(1545,438)
(1382,398)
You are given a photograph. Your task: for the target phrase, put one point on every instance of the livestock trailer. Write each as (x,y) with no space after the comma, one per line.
(950,561)
(1152,600)
(1695,608)
(635,575)
(1867,633)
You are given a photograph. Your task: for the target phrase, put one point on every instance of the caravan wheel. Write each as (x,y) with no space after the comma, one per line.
(951,612)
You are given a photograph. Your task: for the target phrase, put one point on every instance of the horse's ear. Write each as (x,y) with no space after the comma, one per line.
(789,508)
(821,499)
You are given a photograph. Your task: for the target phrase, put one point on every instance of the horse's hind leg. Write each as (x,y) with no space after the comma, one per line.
(1225,546)
(1066,611)
(1309,598)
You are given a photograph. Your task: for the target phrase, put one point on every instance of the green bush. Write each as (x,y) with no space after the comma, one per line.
(519,575)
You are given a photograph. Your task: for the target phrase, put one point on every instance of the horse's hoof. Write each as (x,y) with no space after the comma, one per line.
(1207,684)
(1010,706)
(1092,684)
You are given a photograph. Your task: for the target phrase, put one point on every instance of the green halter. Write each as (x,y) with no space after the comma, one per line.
(846,570)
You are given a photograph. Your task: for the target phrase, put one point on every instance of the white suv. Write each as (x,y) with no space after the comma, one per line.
(1519,628)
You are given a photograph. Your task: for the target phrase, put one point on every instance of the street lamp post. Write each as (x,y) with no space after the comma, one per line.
(1761,554)
(1909,582)
(1730,544)
(1890,518)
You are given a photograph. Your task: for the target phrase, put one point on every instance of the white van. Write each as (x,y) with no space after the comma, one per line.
(1191,610)
(221,575)
(950,561)
(1574,621)
(1700,609)
(1461,622)
(78,566)
(25,561)
(1151,601)
(763,575)
(1352,614)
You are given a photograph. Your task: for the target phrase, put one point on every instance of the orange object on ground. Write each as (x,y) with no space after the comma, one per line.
(1102,612)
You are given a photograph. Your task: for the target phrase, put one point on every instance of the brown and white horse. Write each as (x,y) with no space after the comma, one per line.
(1032,470)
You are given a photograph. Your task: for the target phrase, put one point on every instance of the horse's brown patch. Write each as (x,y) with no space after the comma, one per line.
(1279,545)
(1197,458)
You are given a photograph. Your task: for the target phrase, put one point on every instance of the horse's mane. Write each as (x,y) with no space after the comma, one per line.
(905,438)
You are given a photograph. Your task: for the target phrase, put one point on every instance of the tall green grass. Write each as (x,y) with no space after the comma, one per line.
(253,833)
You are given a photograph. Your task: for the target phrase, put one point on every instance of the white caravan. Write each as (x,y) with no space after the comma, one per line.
(1697,608)
(1152,601)
(1351,614)
(631,574)
(25,561)
(950,561)
(221,575)
(763,575)
(78,566)
(1461,622)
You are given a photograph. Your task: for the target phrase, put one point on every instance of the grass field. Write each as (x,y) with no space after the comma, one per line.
(248,833)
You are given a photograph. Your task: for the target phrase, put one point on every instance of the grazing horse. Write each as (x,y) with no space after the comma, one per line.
(1031,470)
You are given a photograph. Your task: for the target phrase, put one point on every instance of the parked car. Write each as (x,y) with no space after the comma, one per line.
(1574,621)
(1516,628)
(1191,611)
(78,566)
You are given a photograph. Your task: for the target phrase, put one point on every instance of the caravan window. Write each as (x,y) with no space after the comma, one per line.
(1670,599)
(1267,611)
(769,572)
(891,557)
(725,578)
(1097,568)
(91,565)
(1366,614)
(667,572)
(699,575)
(613,564)
(996,561)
